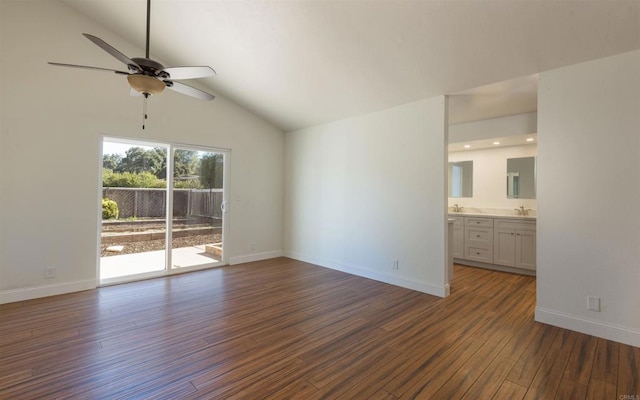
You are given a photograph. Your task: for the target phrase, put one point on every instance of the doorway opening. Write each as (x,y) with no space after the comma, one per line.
(151,225)
(491,202)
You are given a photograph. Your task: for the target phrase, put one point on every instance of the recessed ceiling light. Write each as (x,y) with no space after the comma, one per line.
(496,142)
(467,146)
(530,139)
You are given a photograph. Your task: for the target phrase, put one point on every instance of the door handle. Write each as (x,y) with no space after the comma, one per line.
(223,206)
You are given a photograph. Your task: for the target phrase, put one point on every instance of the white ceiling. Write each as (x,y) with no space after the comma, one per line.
(495,100)
(515,140)
(301,63)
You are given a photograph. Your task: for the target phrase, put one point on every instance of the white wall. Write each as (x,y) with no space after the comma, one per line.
(489,177)
(51,121)
(589,191)
(364,191)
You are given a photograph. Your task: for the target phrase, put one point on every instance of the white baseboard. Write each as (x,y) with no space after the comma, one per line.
(255,257)
(421,286)
(11,296)
(589,326)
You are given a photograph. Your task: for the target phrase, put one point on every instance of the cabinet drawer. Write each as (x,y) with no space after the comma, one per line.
(477,253)
(482,235)
(515,224)
(479,222)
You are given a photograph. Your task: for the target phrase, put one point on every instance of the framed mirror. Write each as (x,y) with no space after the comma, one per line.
(461,179)
(521,178)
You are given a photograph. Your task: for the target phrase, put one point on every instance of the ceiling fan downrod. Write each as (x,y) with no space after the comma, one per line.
(148,27)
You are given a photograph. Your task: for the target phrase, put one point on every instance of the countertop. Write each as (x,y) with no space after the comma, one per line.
(480,215)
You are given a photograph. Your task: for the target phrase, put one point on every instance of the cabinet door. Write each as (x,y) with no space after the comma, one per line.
(458,242)
(504,247)
(526,249)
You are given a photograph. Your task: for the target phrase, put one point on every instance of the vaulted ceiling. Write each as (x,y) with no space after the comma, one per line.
(302,63)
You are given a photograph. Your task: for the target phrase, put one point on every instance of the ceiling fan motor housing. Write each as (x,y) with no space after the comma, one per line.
(149,67)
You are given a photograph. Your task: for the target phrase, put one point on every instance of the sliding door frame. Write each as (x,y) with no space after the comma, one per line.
(225,205)
(171,147)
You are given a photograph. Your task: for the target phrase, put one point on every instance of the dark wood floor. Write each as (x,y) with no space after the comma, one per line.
(285,329)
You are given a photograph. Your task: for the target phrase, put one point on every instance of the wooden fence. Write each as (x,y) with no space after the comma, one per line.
(152,203)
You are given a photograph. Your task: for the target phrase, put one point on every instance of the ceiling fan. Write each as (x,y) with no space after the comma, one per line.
(148,77)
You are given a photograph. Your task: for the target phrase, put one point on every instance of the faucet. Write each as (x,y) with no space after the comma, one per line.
(457,208)
(521,210)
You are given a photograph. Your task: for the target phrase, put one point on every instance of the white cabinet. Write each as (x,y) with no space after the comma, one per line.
(478,239)
(526,249)
(514,243)
(458,237)
(495,242)
(504,247)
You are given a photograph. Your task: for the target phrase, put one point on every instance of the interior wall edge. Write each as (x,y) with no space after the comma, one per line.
(397,280)
(245,258)
(588,326)
(15,295)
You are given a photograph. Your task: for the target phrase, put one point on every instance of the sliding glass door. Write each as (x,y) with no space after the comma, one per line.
(198,208)
(151,225)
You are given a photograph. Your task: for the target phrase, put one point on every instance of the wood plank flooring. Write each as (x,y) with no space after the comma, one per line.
(284,329)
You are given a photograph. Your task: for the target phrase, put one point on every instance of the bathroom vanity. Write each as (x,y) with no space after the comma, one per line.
(501,242)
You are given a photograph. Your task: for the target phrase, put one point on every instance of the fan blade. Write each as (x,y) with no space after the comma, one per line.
(189,72)
(188,90)
(89,67)
(111,50)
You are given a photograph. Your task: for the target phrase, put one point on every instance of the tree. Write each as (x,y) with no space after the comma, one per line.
(211,171)
(138,160)
(185,163)
(111,161)
(161,172)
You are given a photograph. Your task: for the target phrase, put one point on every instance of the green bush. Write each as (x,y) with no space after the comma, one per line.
(109,209)
(188,184)
(131,180)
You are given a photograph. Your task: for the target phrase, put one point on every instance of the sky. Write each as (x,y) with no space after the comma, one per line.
(119,148)
(110,147)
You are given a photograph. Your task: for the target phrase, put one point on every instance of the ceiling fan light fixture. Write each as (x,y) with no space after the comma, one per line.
(145,84)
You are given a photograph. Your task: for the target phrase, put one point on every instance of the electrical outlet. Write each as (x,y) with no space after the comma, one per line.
(593,303)
(252,245)
(49,272)
(395,264)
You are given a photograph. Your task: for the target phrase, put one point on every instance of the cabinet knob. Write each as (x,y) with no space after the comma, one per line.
(477,235)
(511,233)
(518,234)
(477,222)
(478,253)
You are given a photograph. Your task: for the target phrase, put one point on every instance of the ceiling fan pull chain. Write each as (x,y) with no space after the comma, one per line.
(144,111)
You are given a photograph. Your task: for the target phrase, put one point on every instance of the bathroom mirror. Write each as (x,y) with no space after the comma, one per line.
(521,178)
(461,179)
